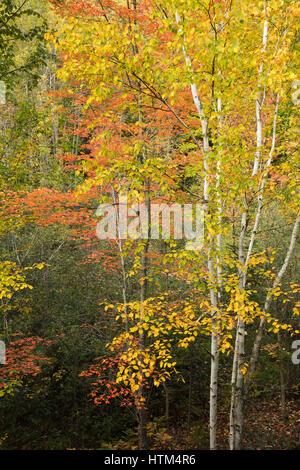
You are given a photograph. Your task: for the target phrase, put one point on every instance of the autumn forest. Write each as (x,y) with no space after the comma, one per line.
(149,229)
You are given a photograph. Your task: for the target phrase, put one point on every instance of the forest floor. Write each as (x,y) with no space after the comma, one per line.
(265,428)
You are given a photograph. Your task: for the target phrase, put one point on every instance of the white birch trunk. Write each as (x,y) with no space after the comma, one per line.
(259,105)
(211,269)
(237,397)
(236,411)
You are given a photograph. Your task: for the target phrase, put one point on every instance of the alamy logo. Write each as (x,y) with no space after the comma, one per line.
(296,354)
(139,221)
(2,353)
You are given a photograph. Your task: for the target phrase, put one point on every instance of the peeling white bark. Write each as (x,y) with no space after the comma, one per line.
(259,105)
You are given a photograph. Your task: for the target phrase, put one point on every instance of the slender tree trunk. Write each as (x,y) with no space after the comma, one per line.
(142,429)
(189,414)
(211,268)
(282,379)
(213,390)
(142,411)
(167,403)
(237,394)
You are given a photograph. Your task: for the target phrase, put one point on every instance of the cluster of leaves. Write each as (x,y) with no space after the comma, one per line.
(23,358)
